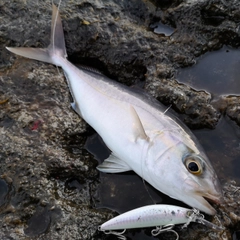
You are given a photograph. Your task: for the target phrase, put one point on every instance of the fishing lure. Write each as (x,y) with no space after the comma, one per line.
(163,217)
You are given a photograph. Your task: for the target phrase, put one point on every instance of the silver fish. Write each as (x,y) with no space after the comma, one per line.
(138,131)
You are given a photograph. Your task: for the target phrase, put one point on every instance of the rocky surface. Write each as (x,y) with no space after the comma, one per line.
(49,183)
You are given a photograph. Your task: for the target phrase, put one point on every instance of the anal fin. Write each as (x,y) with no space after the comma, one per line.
(113,165)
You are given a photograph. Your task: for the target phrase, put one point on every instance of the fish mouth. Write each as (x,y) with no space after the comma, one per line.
(207,200)
(213,199)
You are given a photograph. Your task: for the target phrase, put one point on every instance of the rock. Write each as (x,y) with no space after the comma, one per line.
(48,176)
(230,106)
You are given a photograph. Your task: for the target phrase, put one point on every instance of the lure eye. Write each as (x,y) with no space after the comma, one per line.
(193,165)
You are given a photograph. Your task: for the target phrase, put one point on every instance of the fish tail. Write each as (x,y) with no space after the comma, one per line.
(54,51)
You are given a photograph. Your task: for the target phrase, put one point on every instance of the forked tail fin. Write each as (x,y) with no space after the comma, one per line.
(56,48)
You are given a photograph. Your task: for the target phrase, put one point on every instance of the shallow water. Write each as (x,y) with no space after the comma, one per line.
(223,148)
(217,72)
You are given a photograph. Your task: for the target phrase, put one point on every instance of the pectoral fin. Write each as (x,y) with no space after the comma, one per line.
(138,129)
(113,165)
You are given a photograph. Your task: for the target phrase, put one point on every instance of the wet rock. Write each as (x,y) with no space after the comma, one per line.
(38,223)
(230,106)
(51,178)
(195,106)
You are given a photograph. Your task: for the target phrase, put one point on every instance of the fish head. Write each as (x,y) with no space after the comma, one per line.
(201,183)
(185,174)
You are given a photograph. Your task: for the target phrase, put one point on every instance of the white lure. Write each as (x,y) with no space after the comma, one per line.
(163,217)
(138,131)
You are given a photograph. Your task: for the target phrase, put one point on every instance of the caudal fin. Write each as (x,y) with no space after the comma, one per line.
(56,47)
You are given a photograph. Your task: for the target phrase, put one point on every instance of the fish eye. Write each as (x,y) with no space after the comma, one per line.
(193,164)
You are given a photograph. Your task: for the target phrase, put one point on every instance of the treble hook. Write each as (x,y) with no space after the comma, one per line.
(166,228)
(118,234)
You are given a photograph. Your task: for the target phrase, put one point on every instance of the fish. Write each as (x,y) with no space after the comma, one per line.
(142,135)
(162,216)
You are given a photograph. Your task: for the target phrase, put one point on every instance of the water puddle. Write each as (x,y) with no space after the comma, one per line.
(162,29)
(222,146)
(217,72)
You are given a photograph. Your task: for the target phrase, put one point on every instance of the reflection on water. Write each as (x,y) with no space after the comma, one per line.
(217,72)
